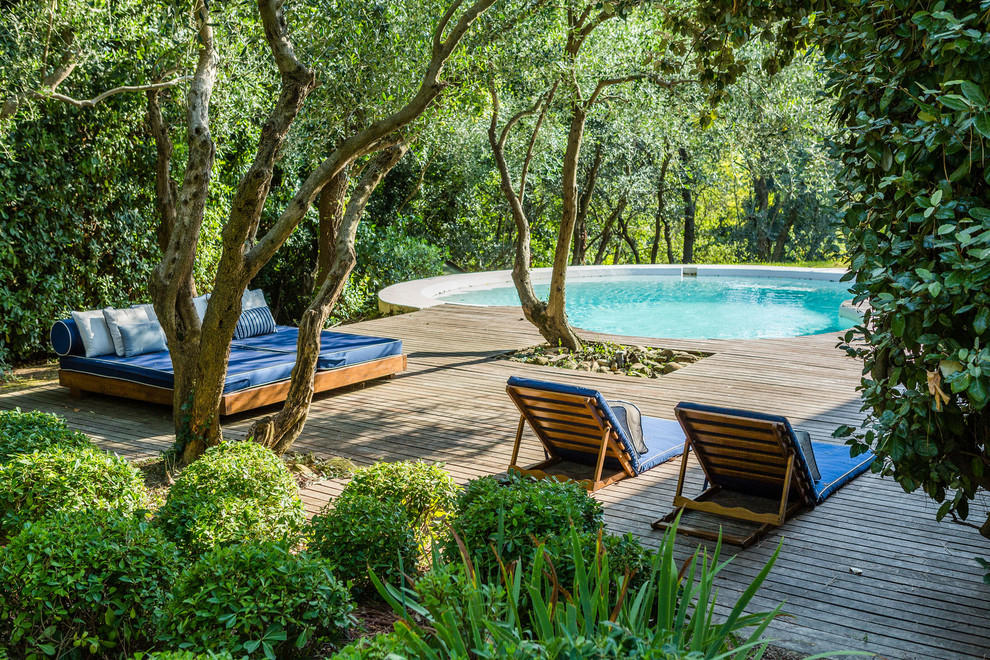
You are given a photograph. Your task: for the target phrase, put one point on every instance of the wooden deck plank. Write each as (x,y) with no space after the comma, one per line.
(920,593)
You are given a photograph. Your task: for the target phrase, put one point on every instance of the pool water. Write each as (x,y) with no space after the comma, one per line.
(691,307)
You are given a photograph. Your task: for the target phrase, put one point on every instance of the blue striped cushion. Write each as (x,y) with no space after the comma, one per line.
(253,322)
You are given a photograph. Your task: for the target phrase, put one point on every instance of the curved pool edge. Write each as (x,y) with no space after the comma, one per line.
(421,294)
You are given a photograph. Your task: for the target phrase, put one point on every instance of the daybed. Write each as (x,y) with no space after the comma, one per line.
(258,373)
(577,425)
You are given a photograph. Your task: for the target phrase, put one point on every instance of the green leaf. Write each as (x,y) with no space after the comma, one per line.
(973,93)
(934,288)
(983,125)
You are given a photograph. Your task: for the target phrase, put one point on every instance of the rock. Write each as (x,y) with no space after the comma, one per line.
(671,367)
(686,359)
(638,366)
(620,359)
(541,360)
(652,364)
(567,364)
(584,366)
(665,353)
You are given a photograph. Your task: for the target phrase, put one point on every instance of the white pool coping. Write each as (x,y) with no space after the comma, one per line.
(422,294)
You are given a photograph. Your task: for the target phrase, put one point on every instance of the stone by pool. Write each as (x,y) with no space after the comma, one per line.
(702,303)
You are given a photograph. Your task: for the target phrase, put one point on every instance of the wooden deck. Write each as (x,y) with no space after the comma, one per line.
(920,594)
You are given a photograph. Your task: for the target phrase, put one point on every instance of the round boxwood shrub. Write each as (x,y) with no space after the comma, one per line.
(425,491)
(256,600)
(626,556)
(507,514)
(38,484)
(27,432)
(236,491)
(358,534)
(88,579)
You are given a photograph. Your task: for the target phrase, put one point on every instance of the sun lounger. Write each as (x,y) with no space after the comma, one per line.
(577,425)
(759,456)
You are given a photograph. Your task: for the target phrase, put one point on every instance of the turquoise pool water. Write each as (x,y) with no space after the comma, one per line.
(691,307)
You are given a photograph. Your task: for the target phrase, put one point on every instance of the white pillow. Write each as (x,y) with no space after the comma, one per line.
(253,298)
(149,308)
(116,317)
(200,304)
(94,332)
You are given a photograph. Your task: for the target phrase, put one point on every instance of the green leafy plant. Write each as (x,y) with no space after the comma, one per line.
(511,515)
(26,432)
(359,534)
(256,600)
(87,580)
(41,483)
(670,616)
(426,492)
(237,491)
(384,646)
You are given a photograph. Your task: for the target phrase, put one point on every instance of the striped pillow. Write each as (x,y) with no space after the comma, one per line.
(253,322)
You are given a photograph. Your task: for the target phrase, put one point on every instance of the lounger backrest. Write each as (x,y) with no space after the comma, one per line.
(568,419)
(745,451)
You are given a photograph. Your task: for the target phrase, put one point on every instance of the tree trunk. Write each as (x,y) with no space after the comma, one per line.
(761,195)
(689,209)
(613,217)
(533,308)
(557,329)
(280,431)
(581,224)
(331,211)
(660,222)
(624,225)
(785,231)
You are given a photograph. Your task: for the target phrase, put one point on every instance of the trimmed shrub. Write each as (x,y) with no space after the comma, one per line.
(257,600)
(358,534)
(38,484)
(237,491)
(95,580)
(508,514)
(426,492)
(27,432)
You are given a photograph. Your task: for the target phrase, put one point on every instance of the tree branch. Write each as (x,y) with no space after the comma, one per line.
(89,103)
(532,141)
(50,83)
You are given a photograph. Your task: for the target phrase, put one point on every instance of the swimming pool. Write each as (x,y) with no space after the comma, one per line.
(676,302)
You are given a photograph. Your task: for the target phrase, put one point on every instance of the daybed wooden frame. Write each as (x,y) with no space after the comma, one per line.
(567,421)
(744,448)
(79,384)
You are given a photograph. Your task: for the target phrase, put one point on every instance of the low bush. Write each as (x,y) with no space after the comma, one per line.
(27,432)
(38,484)
(237,491)
(385,646)
(256,600)
(509,514)
(426,492)
(358,534)
(92,580)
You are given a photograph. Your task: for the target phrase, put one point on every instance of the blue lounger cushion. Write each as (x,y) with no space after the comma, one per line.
(834,462)
(664,438)
(337,349)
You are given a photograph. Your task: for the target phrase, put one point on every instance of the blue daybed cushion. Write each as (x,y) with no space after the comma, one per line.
(247,368)
(833,462)
(664,438)
(337,349)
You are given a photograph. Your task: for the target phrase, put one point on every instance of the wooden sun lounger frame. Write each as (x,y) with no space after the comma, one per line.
(557,419)
(778,462)
(80,383)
